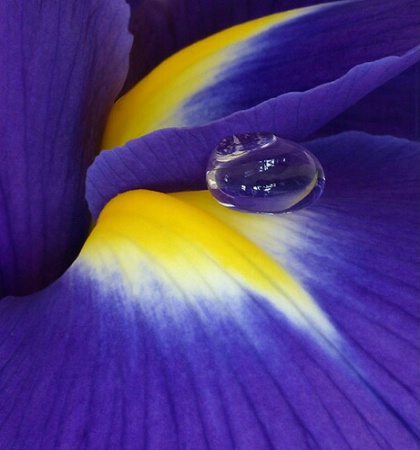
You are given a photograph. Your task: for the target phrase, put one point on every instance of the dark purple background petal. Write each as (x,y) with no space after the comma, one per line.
(62,64)
(176,159)
(162,28)
(116,367)
(303,53)
(390,109)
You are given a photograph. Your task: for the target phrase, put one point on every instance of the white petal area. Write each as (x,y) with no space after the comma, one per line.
(198,260)
(174,330)
(356,253)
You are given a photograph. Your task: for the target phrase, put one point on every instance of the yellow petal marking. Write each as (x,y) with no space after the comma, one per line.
(156,101)
(182,238)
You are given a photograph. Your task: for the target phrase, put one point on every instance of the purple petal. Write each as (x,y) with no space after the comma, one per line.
(391,109)
(141,348)
(176,159)
(247,65)
(313,49)
(62,63)
(162,28)
(356,252)
(360,257)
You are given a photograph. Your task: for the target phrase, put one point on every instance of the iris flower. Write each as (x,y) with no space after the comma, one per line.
(179,323)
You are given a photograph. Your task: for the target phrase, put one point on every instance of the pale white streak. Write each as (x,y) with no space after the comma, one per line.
(170,289)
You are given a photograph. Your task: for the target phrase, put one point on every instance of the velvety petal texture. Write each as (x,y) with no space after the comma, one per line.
(160,29)
(390,109)
(175,159)
(183,324)
(63,63)
(241,67)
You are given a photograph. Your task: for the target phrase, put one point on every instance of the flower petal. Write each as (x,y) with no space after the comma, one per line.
(391,109)
(243,66)
(176,159)
(170,330)
(356,252)
(62,63)
(162,28)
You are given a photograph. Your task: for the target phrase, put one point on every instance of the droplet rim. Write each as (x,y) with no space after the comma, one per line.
(257,205)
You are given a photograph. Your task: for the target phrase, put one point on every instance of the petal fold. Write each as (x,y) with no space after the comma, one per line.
(63,63)
(175,159)
(355,251)
(241,67)
(390,109)
(167,333)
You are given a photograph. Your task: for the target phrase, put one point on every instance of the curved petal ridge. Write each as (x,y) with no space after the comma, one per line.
(63,64)
(390,109)
(355,251)
(243,66)
(158,97)
(175,159)
(296,115)
(161,337)
(177,243)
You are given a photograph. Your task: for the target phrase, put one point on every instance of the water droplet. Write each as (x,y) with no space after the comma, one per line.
(261,173)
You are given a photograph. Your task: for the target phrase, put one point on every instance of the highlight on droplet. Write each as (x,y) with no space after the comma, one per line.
(262,173)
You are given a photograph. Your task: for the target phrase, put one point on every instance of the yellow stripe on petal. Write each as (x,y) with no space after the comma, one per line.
(156,101)
(144,227)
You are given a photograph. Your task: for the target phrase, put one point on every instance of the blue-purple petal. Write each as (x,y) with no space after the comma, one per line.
(124,356)
(391,109)
(313,49)
(369,213)
(175,159)
(63,63)
(355,251)
(162,28)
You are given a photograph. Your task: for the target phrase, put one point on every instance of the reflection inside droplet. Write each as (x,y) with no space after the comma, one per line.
(261,173)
